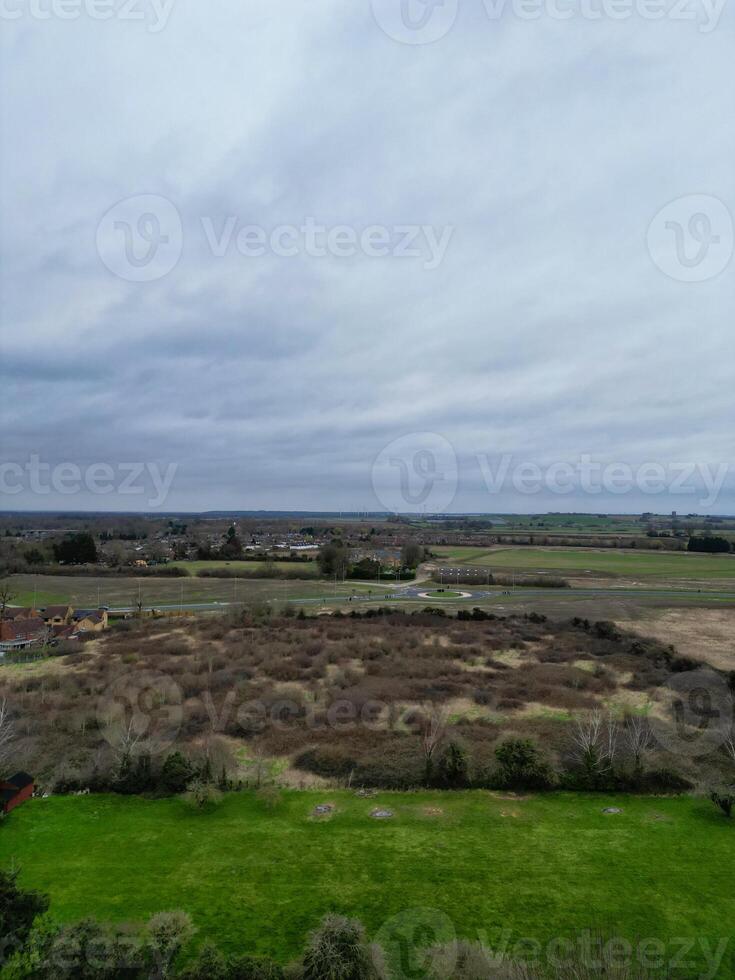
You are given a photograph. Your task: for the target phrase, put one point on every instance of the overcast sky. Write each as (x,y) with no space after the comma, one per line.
(548,316)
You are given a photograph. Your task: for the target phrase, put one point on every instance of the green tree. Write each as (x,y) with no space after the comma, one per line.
(176,773)
(84,950)
(412,554)
(520,765)
(77,549)
(232,548)
(452,769)
(209,964)
(18,910)
(334,559)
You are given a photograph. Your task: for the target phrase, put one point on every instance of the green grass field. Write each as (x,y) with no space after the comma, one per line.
(630,564)
(256,878)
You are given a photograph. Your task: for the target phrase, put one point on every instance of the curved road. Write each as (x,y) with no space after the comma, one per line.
(414,593)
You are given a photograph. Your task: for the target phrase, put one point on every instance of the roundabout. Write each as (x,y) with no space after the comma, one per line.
(445,594)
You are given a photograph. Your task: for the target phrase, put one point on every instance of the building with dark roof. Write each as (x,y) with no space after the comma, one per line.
(15,791)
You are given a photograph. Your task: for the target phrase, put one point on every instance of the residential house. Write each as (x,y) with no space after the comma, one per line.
(89,620)
(19,612)
(19,634)
(57,615)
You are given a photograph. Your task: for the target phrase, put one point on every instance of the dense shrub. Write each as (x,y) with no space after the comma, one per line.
(452,770)
(520,766)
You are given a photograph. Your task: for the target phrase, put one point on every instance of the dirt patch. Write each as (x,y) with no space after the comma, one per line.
(656,817)
(433,811)
(381,814)
(510,813)
(323,811)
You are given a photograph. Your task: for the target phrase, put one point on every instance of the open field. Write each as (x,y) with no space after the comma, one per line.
(305,568)
(91,590)
(258,877)
(630,564)
(610,601)
(702,634)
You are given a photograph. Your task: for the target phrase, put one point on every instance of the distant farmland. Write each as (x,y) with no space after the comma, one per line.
(613,561)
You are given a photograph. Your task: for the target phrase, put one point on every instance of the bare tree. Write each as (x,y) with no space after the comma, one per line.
(122,737)
(6,597)
(433,728)
(730,746)
(638,737)
(595,737)
(7,733)
(611,732)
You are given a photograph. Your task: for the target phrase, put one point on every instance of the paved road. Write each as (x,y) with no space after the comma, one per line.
(413,594)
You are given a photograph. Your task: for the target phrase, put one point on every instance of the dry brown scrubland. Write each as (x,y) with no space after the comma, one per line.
(343,697)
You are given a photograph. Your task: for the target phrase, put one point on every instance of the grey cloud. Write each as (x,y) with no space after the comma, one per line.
(546,332)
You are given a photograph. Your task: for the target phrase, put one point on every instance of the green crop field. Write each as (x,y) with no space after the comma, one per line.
(629,563)
(258,877)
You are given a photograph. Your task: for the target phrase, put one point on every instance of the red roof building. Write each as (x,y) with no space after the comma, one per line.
(15,791)
(17,634)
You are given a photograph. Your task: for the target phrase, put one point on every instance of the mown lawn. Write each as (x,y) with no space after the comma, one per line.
(256,878)
(630,563)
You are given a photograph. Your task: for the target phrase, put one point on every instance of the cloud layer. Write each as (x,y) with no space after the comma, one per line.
(275,381)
